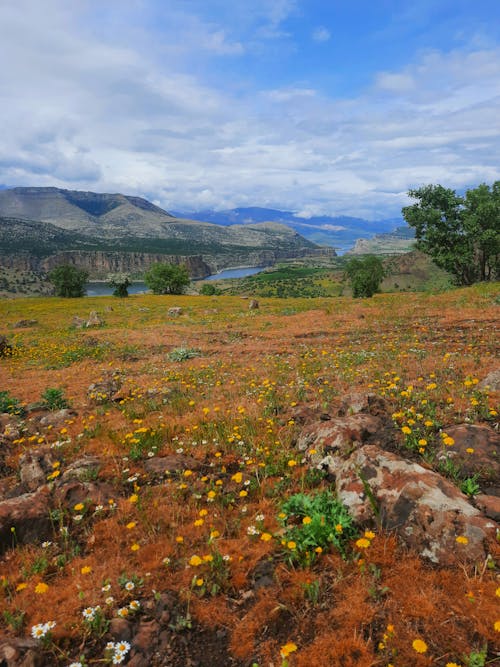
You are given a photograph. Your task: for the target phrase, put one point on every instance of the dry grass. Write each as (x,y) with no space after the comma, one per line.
(228,409)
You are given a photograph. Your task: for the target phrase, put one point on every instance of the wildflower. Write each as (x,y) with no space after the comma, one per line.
(86,569)
(179,539)
(496,626)
(406,430)
(266,537)
(195,561)
(252,530)
(243,493)
(78,507)
(208,558)
(122,612)
(497,592)
(452,664)
(130,525)
(419,646)
(135,547)
(214,534)
(237,477)
(109,600)
(470,450)
(41,588)
(291,545)
(306,520)
(211,495)
(319,550)
(363,543)
(339,528)
(21,586)
(292,463)
(199,582)
(134,605)
(133,498)
(461,539)
(106,588)
(369,534)
(129,586)
(448,441)
(288,648)
(199,522)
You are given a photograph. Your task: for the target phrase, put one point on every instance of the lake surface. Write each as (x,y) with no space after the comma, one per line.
(139,287)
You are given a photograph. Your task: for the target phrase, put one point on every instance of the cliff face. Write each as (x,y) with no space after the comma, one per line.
(99,263)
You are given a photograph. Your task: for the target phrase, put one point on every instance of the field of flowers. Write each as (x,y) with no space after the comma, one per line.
(201,536)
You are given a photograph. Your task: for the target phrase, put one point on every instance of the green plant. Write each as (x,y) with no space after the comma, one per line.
(313,523)
(53,399)
(68,280)
(469,486)
(95,621)
(183,353)
(14,619)
(476,658)
(312,591)
(10,405)
(365,275)
(167,278)
(120,282)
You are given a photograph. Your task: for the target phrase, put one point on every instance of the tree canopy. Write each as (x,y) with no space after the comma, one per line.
(365,274)
(461,234)
(68,280)
(167,278)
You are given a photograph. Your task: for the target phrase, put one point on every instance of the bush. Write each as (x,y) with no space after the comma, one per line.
(120,282)
(365,274)
(167,278)
(10,404)
(53,399)
(68,280)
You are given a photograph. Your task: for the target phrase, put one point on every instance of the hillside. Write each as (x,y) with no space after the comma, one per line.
(339,232)
(401,240)
(191,481)
(43,222)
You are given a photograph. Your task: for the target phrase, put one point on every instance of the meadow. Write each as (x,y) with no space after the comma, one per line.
(192,561)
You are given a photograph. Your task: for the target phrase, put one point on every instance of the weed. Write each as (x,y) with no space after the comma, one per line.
(469,486)
(14,619)
(53,399)
(183,353)
(10,405)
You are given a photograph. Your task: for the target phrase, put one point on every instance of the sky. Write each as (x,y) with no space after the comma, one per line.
(331,107)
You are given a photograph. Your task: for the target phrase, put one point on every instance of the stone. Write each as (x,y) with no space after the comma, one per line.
(25,519)
(91,494)
(94,320)
(171,464)
(82,469)
(488,505)
(31,470)
(77,322)
(175,311)
(424,509)
(253,305)
(484,459)
(105,388)
(356,402)
(120,628)
(57,417)
(24,324)
(491,381)
(146,635)
(325,439)
(5,347)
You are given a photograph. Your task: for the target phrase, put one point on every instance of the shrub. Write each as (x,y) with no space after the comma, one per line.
(53,399)
(167,278)
(365,275)
(68,280)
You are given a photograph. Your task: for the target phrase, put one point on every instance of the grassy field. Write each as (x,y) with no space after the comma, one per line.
(219,384)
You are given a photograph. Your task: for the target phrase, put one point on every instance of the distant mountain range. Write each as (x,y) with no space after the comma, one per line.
(44,222)
(340,232)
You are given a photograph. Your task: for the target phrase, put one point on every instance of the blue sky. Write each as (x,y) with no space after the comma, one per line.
(318,107)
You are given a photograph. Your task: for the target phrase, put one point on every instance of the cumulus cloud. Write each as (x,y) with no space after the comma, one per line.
(119,114)
(321,34)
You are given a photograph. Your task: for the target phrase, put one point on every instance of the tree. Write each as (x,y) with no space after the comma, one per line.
(68,280)
(461,234)
(167,278)
(208,289)
(365,274)
(120,282)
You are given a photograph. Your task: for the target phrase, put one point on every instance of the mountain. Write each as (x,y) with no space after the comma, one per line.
(397,242)
(47,221)
(338,231)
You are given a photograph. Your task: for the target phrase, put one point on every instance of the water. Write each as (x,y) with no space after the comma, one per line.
(139,287)
(236,273)
(103,289)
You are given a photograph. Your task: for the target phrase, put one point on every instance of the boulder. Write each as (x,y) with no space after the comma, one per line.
(175,311)
(24,324)
(58,417)
(489,505)
(171,464)
(105,388)
(25,519)
(77,322)
(94,320)
(427,511)
(5,347)
(253,305)
(32,469)
(491,381)
(476,451)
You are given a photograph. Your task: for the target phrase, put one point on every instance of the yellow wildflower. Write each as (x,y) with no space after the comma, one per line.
(419,646)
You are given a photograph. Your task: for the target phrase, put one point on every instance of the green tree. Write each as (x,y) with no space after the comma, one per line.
(365,275)
(68,280)
(120,282)
(167,278)
(461,234)
(208,289)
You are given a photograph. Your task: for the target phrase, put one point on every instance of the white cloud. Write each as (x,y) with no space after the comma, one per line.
(321,34)
(112,115)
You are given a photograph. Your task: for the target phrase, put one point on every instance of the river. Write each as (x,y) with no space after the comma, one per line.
(139,287)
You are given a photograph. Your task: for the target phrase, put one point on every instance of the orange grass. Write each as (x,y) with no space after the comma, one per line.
(231,410)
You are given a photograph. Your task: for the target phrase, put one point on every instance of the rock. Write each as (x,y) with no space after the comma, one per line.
(171,464)
(77,322)
(5,347)
(175,311)
(146,635)
(488,505)
(25,519)
(253,305)
(12,649)
(24,324)
(323,440)
(491,381)
(105,388)
(484,459)
(82,469)
(57,417)
(31,470)
(91,494)
(120,628)
(358,402)
(427,511)
(94,320)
